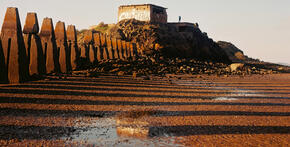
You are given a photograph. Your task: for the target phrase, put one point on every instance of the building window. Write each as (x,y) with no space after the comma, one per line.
(158,11)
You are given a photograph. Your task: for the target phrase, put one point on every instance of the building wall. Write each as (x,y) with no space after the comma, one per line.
(159,16)
(141,13)
(149,13)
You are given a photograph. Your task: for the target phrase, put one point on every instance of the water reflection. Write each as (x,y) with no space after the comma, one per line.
(125,129)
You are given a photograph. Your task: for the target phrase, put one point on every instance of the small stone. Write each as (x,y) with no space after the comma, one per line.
(121,73)
(134,75)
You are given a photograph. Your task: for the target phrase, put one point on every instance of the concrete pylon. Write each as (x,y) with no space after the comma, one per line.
(104,47)
(89,46)
(110,47)
(31,24)
(49,47)
(97,45)
(73,46)
(87,40)
(124,46)
(33,45)
(16,67)
(128,49)
(3,71)
(132,48)
(115,48)
(120,48)
(62,47)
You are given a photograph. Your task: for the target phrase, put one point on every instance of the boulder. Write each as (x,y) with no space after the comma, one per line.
(236,66)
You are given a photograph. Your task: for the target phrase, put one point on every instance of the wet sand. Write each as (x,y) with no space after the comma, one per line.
(175,110)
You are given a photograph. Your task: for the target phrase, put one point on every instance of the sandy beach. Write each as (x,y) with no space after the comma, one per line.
(176,110)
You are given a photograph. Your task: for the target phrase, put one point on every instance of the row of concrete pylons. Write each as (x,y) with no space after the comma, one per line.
(98,46)
(51,50)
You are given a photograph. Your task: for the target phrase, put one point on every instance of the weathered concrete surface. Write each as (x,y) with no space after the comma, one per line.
(115,48)
(124,46)
(33,45)
(88,38)
(89,46)
(31,24)
(72,45)
(49,47)
(3,71)
(128,49)
(109,47)
(120,48)
(132,49)
(14,48)
(37,62)
(97,45)
(104,49)
(92,50)
(62,47)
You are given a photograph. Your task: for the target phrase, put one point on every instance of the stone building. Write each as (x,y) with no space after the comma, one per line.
(144,12)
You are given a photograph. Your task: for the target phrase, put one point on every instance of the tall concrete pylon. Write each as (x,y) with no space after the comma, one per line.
(124,46)
(104,47)
(110,47)
(33,45)
(73,46)
(3,71)
(16,67)
(89,45)
(132,48)
(49,47)
(62,47)
(120,48)
(97,44)
(115,48)
(128,49)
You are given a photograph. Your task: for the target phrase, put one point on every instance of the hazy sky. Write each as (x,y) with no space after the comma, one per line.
(261,28)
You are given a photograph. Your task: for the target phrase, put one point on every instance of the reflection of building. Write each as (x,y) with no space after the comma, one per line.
(144,12)
(129,127)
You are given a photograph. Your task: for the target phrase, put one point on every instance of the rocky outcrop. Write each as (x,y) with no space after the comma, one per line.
(166,39)
(234,53)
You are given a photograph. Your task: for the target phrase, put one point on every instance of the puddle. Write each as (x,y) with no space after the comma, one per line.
(120,132)
(225,99)
(229,93)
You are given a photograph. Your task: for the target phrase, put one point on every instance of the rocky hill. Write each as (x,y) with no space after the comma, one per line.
(165,39)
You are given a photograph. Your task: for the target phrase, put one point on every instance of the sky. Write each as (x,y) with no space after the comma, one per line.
(261,28)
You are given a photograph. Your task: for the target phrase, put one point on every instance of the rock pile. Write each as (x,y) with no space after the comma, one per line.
(159,66)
